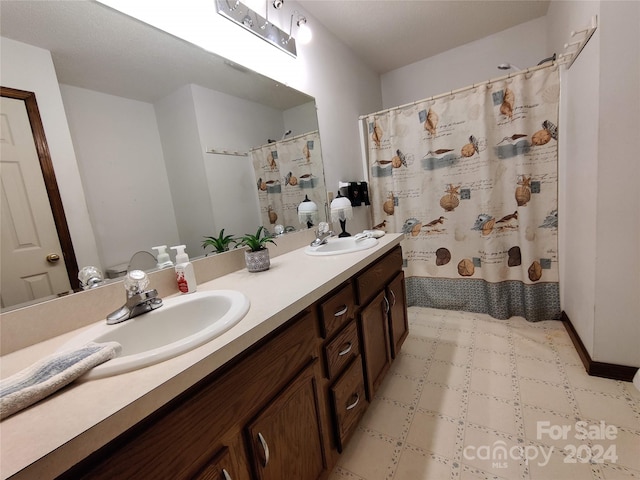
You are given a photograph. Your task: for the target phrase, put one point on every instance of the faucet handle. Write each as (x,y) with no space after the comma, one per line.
(136,282)
(323,227)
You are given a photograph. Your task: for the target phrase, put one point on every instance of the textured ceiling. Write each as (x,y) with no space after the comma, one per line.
(388,34)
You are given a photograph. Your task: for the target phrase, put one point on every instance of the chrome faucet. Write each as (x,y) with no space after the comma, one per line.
(139,300)
(322,234)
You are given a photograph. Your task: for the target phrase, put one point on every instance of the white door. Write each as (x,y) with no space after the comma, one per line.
(32,263)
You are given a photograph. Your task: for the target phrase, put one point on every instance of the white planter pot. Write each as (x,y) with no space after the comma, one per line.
(257,261)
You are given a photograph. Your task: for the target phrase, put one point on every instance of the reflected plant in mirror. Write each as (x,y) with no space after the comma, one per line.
(221,243)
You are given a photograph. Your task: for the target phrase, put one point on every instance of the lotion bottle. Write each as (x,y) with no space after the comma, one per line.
(163,260)
(185,276)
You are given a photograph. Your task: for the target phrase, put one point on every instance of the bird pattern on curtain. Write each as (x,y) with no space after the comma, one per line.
(287,171)
(471,181)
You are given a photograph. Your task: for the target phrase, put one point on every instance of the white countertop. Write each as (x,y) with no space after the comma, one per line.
(48,438)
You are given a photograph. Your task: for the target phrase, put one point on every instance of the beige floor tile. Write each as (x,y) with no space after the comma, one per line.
(424,332)
(614,411)
(615,472)
(433,434)
(561,337)
(579,378)
(525,347)
(558,469)
(491,383)
(532,333)
(534,368)
(340,474)
(491,413)
(418,347)
(357,457)
(537,425)
(414,466)
(626,446)
(457,336)
(632,392)
(449,352)
(495,327)
(386,418)
(492,342)
(551,397)
(401,389)
(474,474)
(441,399)
(408,365)
(482,450)
(446,374)
(497,361)
(569,355)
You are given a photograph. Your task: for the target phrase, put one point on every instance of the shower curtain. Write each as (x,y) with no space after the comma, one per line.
(287,171)
(471,181)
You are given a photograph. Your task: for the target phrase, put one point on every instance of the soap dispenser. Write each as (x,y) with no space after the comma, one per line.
(163,260)
(185,275)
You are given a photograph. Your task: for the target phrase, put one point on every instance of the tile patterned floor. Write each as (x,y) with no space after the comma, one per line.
(470,397)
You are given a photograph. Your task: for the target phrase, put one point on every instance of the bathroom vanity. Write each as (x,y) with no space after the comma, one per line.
(278,396)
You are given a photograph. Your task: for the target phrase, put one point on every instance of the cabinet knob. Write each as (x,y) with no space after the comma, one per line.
(265,448)
(353,405)
(342,353)
(342,311)
(226,474)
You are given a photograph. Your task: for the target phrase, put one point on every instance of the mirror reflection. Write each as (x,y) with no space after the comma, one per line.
(143,109)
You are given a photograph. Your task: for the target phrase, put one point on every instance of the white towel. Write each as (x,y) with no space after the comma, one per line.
(51,374)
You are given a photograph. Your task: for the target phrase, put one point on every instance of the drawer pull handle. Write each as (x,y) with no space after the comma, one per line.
(394,298)
(346,350)
(386,300)
(226,474)
(265,448)
(342,311)
(353,405)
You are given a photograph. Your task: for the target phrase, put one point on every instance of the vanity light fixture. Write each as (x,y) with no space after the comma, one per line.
(341,210)
(308,212)
(248,19)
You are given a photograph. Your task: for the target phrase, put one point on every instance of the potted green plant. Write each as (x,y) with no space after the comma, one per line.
(221,243)
(257,257)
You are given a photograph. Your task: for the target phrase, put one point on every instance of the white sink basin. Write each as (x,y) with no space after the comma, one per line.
(181,324)
(338,246)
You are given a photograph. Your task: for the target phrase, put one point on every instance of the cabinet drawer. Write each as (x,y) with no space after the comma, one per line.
(348,401)
(221,467)
(374,278)
(342,349)
(337,310)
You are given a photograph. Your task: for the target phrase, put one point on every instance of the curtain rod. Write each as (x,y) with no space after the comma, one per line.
(290,139)
(561,60)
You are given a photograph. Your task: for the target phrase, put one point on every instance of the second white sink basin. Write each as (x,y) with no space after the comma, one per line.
(338,246)
(181,324)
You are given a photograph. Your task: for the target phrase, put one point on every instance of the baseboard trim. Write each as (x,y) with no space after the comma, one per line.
(597,369)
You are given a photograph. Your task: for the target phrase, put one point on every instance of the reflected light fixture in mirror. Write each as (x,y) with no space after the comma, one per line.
(304,32)
(308,212)
(341,210)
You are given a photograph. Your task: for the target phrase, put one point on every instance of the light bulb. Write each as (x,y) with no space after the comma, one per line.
(304,33)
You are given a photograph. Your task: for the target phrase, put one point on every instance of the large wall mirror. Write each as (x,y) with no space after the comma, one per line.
(143,107)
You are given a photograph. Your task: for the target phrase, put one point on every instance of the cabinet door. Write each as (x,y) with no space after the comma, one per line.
(222,467)
(374,335)
(285,438)
(398,321)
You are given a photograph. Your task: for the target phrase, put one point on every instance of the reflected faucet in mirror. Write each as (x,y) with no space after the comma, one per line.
(139,300)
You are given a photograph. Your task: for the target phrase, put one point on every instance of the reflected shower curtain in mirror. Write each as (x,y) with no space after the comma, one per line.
(471,181)
(286,171)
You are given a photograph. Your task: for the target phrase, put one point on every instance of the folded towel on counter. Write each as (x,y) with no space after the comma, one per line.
(51,374)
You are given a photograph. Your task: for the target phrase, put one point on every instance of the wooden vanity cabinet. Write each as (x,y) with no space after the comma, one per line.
(188,438)
(286,407)
(383,323)
(286,437)
(398,318)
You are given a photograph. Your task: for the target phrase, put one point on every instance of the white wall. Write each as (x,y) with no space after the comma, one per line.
(523,45)
(226,122)
(120,157)
(617,312)
(30,68)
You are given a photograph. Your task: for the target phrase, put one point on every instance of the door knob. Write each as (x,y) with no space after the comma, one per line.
(53,258)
